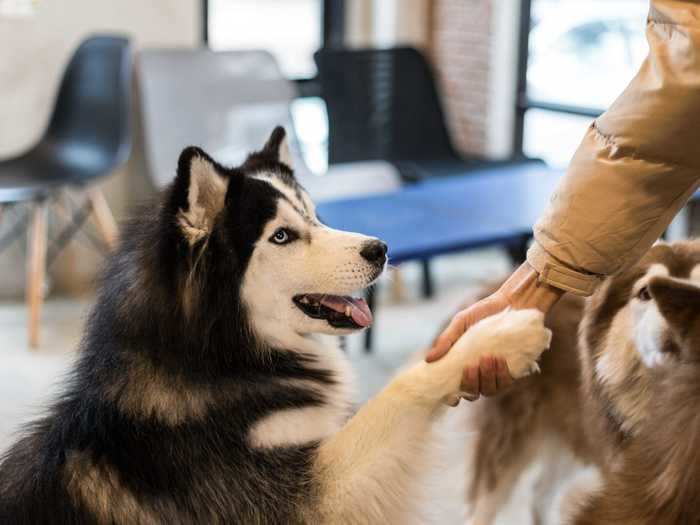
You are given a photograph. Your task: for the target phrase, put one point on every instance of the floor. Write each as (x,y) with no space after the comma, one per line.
(29,378)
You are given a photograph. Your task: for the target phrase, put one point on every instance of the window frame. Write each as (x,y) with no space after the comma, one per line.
(523,102)
(332,35)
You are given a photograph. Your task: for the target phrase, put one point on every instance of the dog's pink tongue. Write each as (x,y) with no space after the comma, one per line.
(359,311)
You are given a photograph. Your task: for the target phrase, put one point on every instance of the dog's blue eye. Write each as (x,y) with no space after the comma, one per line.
(281,236)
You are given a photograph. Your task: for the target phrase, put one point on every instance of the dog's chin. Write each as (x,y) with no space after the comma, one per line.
(303,325)
(326,329)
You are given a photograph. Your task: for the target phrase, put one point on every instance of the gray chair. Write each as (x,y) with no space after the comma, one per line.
(227,102)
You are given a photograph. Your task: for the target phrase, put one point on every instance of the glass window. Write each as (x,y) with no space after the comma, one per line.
(582,54)
(553,136)
(311,126)
(290,29)
(585,53)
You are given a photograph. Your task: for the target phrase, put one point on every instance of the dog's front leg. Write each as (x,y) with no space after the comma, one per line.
(368,470)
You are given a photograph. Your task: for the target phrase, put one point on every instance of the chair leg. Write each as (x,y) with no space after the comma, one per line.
(517,250)
(398,288)
(371,296)
(103,217)
(428,288)
(36,269)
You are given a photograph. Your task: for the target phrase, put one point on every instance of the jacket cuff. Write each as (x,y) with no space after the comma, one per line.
(555,273)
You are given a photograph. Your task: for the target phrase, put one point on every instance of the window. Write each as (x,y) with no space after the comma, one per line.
(311,126)
(581,55)
(291,30)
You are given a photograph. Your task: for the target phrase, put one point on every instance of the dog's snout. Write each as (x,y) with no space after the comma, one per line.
(374,252)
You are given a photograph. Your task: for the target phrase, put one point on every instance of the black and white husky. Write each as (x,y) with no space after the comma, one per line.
(205,393)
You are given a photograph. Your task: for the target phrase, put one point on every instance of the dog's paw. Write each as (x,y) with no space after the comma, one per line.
(518,336)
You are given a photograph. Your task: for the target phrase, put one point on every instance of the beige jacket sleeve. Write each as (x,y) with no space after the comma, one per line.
(637,166)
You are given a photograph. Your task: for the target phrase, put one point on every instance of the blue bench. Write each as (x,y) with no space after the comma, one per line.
(496,206)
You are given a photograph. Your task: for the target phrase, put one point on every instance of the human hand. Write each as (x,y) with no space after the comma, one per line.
(521,290)
(491,376)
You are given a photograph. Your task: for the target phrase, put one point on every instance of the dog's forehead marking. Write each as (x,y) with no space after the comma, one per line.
(291,214)
(292,195)
(661,270)
(657,270)
(654,270)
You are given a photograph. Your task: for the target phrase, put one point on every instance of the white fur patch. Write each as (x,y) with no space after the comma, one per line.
(649,328)
(618,366)
(648,325)
(304,425)
(296,426)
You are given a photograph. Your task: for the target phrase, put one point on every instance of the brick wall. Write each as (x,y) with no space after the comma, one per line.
(461,46)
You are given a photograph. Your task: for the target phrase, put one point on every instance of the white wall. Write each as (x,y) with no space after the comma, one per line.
(505,27)
(33,53)
(386,23)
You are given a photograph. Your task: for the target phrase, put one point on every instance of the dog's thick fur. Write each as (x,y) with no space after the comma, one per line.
(205,394)
(627,408)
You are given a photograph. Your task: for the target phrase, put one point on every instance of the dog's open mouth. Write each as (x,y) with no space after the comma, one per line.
(340,311)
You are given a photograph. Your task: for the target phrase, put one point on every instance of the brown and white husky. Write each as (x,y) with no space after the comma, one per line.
(611,435)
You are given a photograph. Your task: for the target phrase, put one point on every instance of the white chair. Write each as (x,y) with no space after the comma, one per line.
(227,102)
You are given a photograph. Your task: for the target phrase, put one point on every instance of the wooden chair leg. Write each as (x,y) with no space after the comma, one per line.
(36,269)
(398,288)
(103,217)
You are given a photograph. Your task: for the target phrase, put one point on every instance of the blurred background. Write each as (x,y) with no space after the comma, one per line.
(440,125)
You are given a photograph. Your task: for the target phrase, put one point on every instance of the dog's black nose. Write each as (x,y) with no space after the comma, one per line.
(374,252)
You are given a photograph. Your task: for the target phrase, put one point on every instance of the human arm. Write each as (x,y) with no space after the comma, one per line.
(638,164)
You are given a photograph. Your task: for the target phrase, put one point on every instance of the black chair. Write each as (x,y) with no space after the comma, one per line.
(383,105)
(88,136)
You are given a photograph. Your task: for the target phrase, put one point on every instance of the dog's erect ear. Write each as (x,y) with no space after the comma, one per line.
(277,147)
(679,303)
(204,186)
